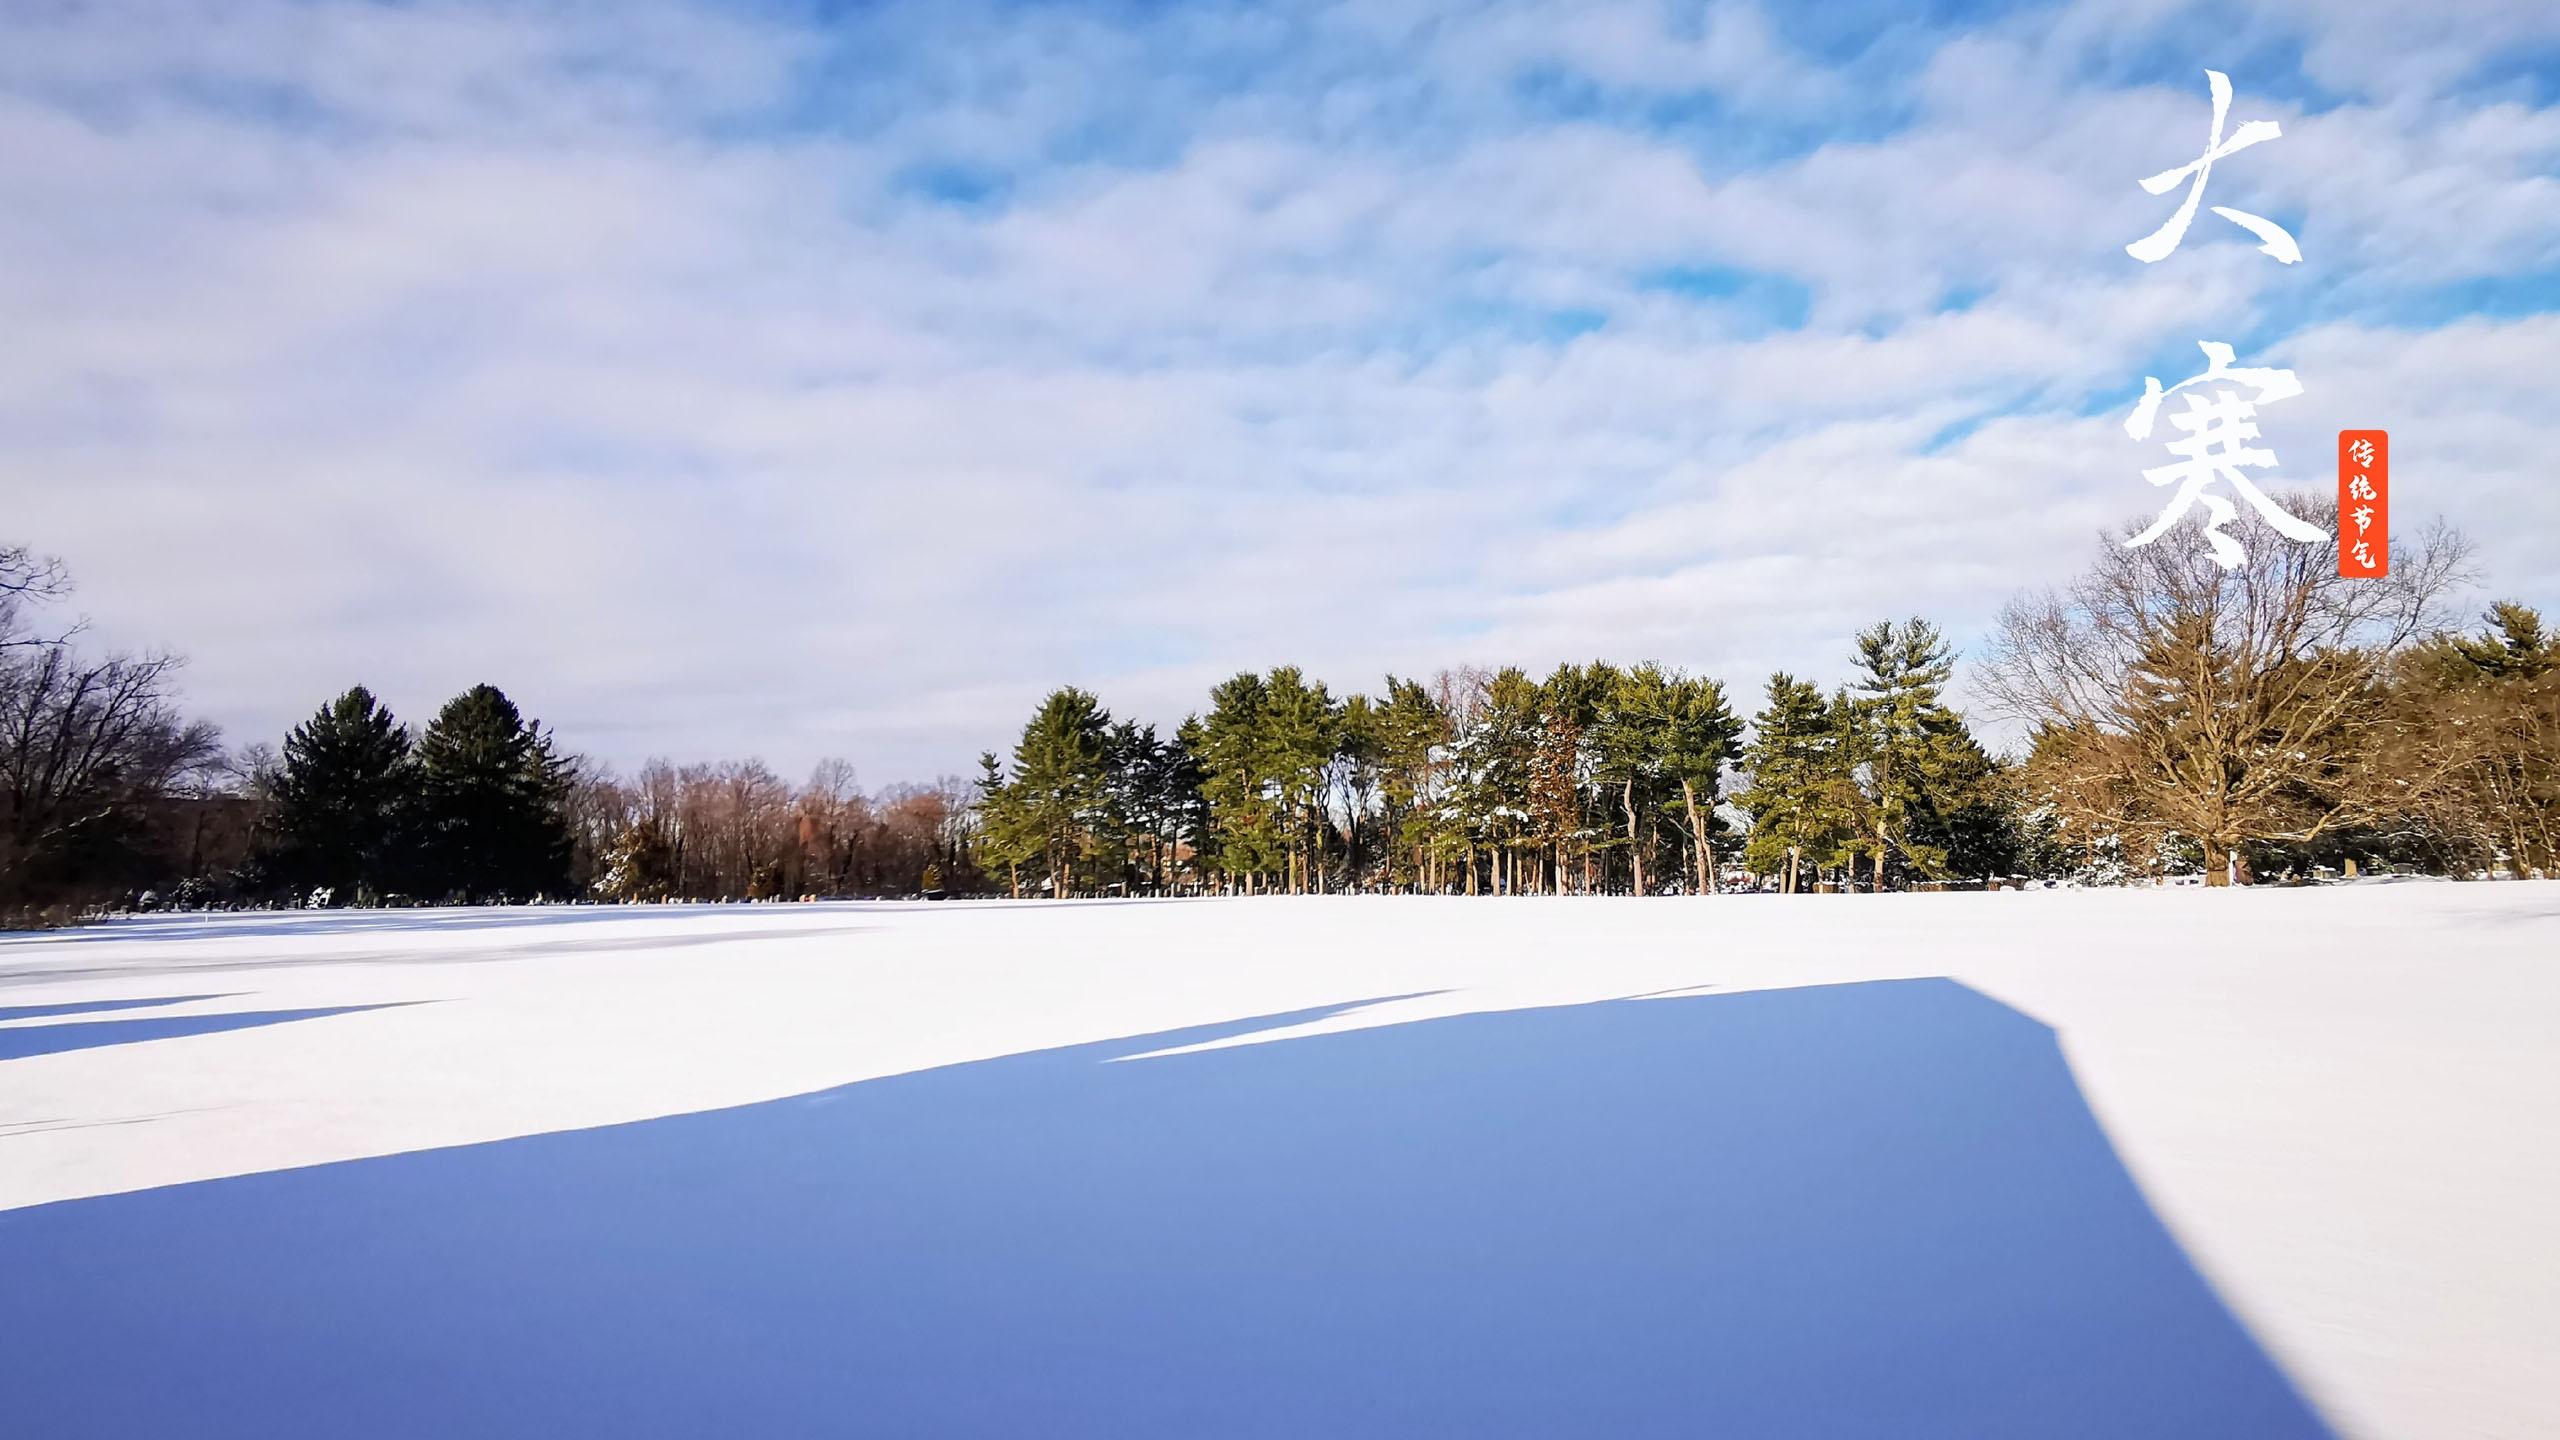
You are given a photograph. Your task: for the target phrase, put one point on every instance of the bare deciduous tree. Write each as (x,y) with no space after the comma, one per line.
(85,747)
(28,580)
(2170,698)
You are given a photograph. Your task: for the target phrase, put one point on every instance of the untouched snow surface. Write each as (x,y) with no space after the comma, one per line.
(2340,1104)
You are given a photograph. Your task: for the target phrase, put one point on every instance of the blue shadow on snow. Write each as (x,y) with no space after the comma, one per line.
(286,924)
(1874,1210)
(85,1007)
(23,1041)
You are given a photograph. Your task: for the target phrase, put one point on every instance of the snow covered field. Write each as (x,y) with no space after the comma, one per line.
(1201,1167)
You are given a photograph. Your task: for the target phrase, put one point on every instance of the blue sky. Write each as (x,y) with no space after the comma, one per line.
(801,381)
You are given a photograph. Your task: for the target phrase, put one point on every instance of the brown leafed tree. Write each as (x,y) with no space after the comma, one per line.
(2486,711)
(2171,699)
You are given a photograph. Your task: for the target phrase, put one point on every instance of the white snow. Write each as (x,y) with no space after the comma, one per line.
(2341,1101)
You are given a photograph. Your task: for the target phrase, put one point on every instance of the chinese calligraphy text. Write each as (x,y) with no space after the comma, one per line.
(2364,503)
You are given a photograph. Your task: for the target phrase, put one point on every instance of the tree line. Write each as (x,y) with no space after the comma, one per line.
(735,830)
(2177,718)
(109,795)
(481,806)
(2166,717)
(1596,778)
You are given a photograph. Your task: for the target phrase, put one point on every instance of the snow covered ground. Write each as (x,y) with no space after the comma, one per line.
(2295,1146)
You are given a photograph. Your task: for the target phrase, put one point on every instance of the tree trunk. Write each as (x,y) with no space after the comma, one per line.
(2217,863)
(1698,832)
(1635,855)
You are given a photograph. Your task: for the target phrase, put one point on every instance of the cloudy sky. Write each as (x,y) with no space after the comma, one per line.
(766,379)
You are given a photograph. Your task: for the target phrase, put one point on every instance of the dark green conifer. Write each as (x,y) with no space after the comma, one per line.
(1796,785)
(491,792)
(1060,770)
(344,803)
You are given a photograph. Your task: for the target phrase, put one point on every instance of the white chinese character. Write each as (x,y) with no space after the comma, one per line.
(2215,425)
(2362,453)
(2159,243)
(2359,488)
(2364,554)
(2363,516)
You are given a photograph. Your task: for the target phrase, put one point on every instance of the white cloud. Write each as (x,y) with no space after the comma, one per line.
(613,356)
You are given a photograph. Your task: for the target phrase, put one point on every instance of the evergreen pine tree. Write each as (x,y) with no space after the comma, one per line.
(490,796)
(1122,829)
(1565,706)
(640,864)
(1359,777)
(1242,797)
(1571,700)
(343,799)
(1180,780)
(1701,737)
(1971,824)
(1494,762)
(1924,797)
(1895,717)
(1794,794)
(1003,839)
(1413,733)
(2515,646)
(1634,742)
(2492,702)
(1298,736)
(1061,769)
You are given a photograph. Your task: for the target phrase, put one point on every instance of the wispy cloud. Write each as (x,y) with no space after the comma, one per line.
(724,380)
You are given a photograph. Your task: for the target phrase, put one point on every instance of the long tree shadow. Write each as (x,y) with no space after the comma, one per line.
(1878,1209)
(407,923)
(166,966)
(21,1042)
(88,1007)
